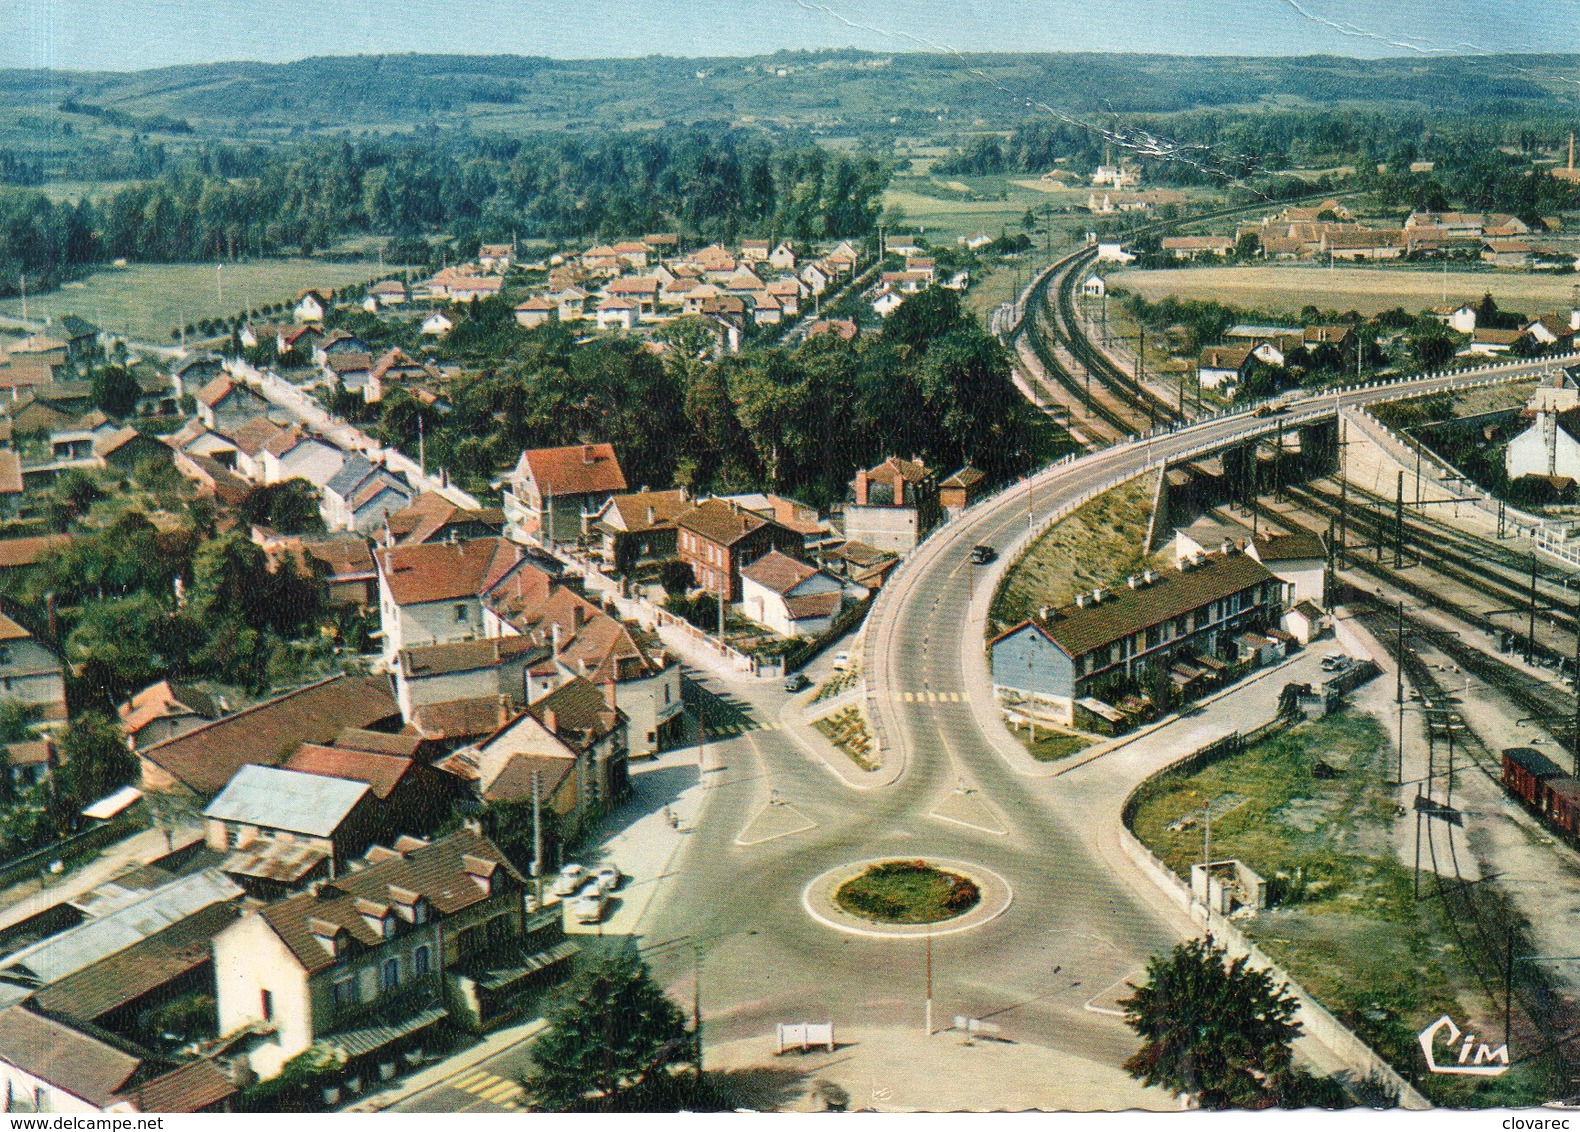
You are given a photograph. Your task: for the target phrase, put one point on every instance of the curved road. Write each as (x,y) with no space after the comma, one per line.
(733,896)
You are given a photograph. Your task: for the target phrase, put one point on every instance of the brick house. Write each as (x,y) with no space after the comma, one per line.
(717,537)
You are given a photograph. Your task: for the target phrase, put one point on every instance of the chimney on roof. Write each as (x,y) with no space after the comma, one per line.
(554,637)
(587,454)
(861,487)
(1226,546)
(581,666)
(551,720)
(504,701)
(609,696)
(652,514)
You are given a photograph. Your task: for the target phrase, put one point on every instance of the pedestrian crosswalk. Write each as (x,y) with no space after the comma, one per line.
(714,731)
(486,1086)
(936,697)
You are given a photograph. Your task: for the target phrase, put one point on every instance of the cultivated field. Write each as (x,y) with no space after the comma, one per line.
(931,202)
(1364,289)
(146,300)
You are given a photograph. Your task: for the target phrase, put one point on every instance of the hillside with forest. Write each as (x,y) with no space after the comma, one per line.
(836,92)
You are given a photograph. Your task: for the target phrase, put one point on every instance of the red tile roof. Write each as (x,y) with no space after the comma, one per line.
(205,758)
(778,572)
(720,522)
(381,772)
(195,1087)
(67,1058)
(10,472)
(581,469)
(445,571)
(442,873)
(471,718)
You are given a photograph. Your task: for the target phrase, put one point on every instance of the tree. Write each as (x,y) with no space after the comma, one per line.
(94,760)
(1433,350)
(613,1039)
(115,390)
(1216,1029)
(290,507)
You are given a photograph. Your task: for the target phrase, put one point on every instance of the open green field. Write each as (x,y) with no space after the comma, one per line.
(1364,289)
(1310,810)
(145,301)
(945,218)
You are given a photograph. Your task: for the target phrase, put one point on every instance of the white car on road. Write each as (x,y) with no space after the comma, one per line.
(571,878)
(608,877)
(589,905)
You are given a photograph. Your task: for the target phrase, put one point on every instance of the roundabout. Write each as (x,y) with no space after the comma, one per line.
(833,897)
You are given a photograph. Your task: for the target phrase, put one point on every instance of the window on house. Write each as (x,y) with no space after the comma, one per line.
(460,611)
(268,1005)
(344,993)
(391,973)
(666,693)
(420,960)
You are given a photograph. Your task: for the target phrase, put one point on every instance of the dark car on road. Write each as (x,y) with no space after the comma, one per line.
(796,681)
(982,555)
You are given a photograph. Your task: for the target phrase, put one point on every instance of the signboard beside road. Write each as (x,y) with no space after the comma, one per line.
(804,1035)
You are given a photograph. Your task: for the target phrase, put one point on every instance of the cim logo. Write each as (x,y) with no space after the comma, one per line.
(1471,1060)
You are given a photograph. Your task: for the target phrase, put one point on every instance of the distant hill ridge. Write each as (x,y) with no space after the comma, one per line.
(827,90)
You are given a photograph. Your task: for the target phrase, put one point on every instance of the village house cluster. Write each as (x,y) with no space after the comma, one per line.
(342,905)
(1330,231)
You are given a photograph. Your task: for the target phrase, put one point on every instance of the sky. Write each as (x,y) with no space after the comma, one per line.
(130,35)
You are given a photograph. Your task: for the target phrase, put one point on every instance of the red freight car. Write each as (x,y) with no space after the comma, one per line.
(1526,772)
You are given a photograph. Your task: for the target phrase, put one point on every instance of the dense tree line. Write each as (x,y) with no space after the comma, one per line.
(231,202)
(1471,167)
(798,420)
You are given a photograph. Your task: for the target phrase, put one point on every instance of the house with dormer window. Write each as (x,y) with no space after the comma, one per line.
(371,962)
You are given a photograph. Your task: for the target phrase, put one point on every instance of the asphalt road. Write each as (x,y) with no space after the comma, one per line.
(733,911)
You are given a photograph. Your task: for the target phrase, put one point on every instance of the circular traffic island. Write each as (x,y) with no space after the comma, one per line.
(906,897)
(907,892)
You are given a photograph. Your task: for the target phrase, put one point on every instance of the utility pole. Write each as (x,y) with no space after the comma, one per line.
(1278,468)
(1398,684)
(1141,376)
(1530,638)
(1508,981)
(696,1003)
(537,833)
(1206,849)
(929,1019)
(1418,841)
(1344,520)
(1398,522)
(721,615)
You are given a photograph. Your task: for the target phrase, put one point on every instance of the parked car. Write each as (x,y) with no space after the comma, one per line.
(589,906)
(796,681)
(608,877)
(841,661)
(571,878)
(982,555)
(1335,662)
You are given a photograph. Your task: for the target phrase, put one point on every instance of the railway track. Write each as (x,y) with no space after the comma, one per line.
(1084,382)
(1107,415)
(1458,558)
